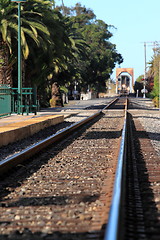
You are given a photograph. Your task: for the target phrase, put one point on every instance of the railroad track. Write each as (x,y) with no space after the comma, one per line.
(143,184)
(71,190)
(9,162)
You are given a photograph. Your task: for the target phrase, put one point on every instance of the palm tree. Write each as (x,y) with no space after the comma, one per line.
(32,30)
(7,22)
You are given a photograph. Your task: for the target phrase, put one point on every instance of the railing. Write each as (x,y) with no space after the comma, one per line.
(5,100)
(30,104)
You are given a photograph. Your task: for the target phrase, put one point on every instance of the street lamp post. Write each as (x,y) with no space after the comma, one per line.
(19,60)
(144,84)
(19,56)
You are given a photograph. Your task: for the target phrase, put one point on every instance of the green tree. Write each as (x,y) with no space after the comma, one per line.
(54,55)
(138,86)
(101,56)
(32,30)
(7,26)
(140,78)
(153,76)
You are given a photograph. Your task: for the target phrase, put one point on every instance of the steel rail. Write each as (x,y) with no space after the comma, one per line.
(15,159)
(112,230)
(109,104)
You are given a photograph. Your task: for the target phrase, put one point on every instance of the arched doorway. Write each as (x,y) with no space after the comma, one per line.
(124,80)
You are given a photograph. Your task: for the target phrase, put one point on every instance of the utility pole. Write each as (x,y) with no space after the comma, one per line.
(145,64)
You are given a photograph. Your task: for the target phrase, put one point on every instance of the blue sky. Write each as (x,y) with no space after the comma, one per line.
(136,22)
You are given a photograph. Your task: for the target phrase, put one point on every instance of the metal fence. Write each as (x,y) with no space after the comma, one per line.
(9,101)
(29,103)
(5,100)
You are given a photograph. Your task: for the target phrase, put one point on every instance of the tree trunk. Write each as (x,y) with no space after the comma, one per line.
(5,68)
(56,100)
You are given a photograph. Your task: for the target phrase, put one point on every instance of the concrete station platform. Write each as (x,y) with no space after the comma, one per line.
(17,127)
